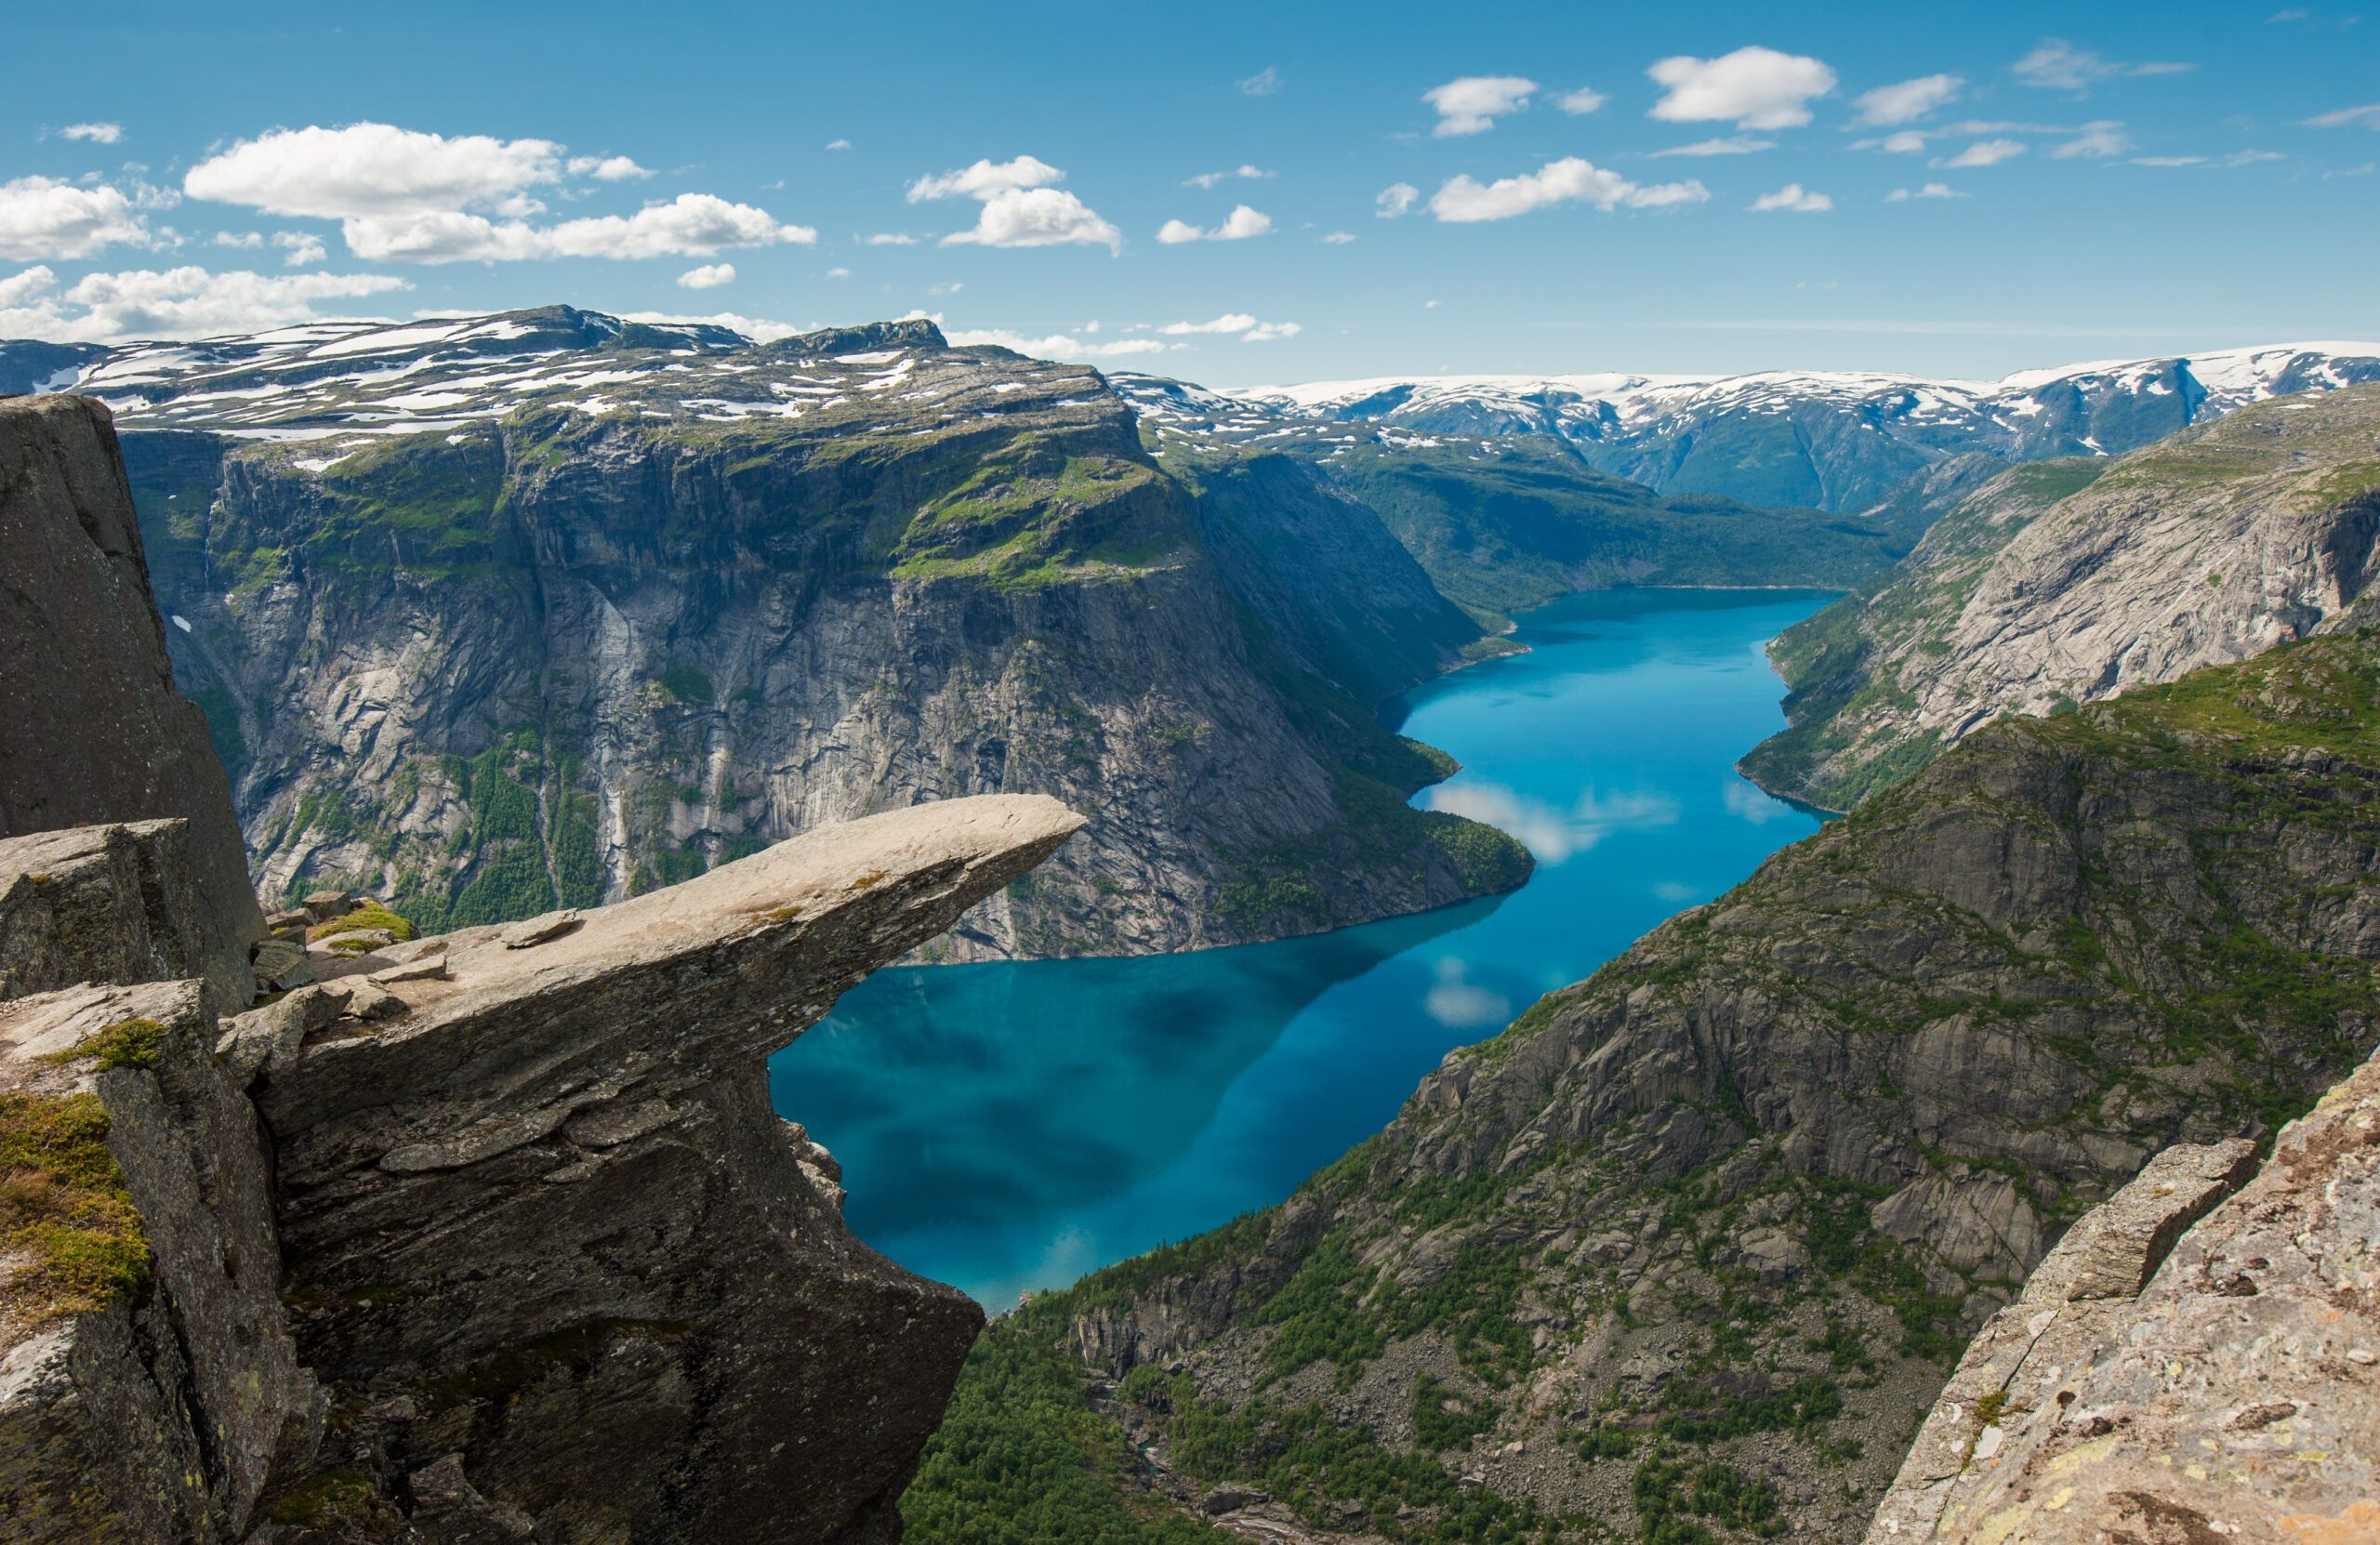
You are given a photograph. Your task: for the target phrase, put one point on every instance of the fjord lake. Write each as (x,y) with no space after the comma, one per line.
(1007,1128)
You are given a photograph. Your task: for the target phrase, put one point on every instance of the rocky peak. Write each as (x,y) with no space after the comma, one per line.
(908,333)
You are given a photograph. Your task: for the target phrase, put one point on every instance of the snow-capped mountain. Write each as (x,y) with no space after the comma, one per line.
(1836,439)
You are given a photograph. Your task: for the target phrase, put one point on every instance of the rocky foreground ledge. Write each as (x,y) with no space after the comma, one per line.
(2182,1367)
(492,1236)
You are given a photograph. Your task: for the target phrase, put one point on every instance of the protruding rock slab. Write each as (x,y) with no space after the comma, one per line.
(92,729)
(545,1220)
(2236,1397)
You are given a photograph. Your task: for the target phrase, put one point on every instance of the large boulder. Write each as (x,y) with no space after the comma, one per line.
(92,729)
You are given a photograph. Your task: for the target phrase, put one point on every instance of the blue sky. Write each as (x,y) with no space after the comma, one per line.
(1947,190)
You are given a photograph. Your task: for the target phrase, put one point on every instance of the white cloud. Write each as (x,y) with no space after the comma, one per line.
(1930,191)
(2094,141)
(1396,199)
(176,303)
(1792,199)
(1230,322)
(691,225)
(954,288)
(96,133)
(1578,103)
(1748,803)
(888,238)
(1461,1005)
(302,248)
(1338,238)
(370,169)
(985,179)
(1242,223)
(1461,199)
(1264,83)
(1906,142)
(1212,179)
(2368,115)
(1235,324)
(839,273)
(838,144)
(1057,346)
(1020,207)
(2058,65)
(1735,144)
(1038,216)
(43,217)
(2237,158)
(1471,104)
(1758,88)
(1901,103)
(710,276)
(606,169)
(248,240)
(1986,153)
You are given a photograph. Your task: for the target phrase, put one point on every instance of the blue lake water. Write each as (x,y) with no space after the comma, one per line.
(1008,1127)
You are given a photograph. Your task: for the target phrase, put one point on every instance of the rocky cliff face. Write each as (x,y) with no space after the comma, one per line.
(2067,581)
(546,610)
(488,1237)
(2159,1385)
(1691,1244)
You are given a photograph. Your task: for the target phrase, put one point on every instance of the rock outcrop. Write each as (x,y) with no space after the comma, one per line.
(487,1237)
(90,726)
(2157,1385)
(1694,1240)
(2072,580)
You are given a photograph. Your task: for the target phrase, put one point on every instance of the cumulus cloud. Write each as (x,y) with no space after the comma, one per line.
(1569,181)
(370,169)
(176,303)
(1908,100)
(1906,142)
(1578,103)
(2094,141)
(985,179)
(1038,216)
(710,276)
(1241,224)
(888,238)
(1396,199)
(1212,179)
(1792,199)
(2058,65)
(838,144)
(405,195)
(96,133)
(1238,324)
(1056,346)
(43,217)
(1930,191)
(1020,207)
(1264,83)
(1758,88)
(300,248)
(1986,153)
(606,169)
(691,225)
(1471,104)
(1734,144)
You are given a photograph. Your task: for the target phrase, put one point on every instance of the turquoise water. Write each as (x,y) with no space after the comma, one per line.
(1008,1128)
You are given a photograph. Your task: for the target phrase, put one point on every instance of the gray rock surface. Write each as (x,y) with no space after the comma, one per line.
(91,728)
(2073,581)
(2156,1385)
